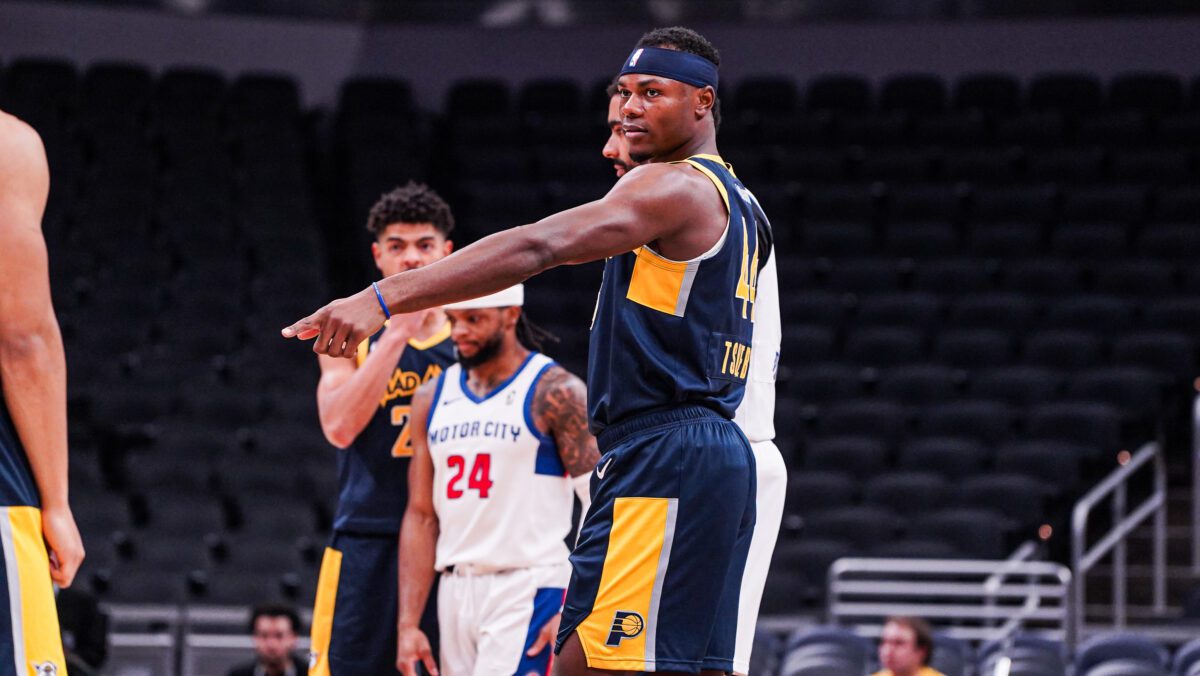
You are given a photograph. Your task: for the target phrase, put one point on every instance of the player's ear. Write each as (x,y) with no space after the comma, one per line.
(706,98)
(377,253)
(511,315)
(447,247)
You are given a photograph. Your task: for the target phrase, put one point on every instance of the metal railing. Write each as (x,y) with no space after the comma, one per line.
(978,599)
(1084,558)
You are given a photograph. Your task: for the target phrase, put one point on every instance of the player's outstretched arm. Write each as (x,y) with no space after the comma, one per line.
(33,367)
(650,203)
(347,397)
(418,542)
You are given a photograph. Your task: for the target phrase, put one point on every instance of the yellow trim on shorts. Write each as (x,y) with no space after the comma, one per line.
(627,582)
(36,621)
(323,609)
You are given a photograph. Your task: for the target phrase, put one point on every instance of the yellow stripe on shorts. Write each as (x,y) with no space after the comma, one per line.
(322,619)
(620,631)
(37,639)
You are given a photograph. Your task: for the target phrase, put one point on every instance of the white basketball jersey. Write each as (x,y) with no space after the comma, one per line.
(756,414)
(502,495)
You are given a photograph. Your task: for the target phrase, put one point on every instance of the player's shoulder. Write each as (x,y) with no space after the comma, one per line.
(428,389)
(558,381)
(23,167)
(668,175)
(20,143)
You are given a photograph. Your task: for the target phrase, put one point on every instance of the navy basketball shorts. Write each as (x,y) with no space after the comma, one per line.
(657,573)
(354,618)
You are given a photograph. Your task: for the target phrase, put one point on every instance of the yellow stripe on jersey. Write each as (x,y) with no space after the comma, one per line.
(37,640)
(323,609)
(660,283)
(620,631)
(713,177)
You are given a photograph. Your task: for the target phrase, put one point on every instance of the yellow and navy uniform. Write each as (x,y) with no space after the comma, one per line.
(657,571)
(923,671)
(678,332)
(354,619)
(30,642)
(373,470)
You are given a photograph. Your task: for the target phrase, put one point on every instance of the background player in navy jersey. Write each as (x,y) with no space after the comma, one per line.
(365,408)
(500,440)
(34,512)
(755,415)
(658,569)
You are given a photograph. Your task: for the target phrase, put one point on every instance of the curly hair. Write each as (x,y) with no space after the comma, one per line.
(686,40)
(411,203)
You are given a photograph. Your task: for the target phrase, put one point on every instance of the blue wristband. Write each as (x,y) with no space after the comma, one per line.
(382,305)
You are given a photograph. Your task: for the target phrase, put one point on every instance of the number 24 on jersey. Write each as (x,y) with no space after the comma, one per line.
(479,479)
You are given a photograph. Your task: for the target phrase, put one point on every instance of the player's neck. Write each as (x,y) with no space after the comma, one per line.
(701,144)
(433,324)
(485,377)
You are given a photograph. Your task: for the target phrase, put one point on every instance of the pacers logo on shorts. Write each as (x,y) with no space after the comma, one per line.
(626,624)
(46,668)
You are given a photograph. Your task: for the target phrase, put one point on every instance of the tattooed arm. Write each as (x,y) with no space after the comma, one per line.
(560,410)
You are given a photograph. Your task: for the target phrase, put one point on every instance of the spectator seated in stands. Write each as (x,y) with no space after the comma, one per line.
(274,628)
(906,647)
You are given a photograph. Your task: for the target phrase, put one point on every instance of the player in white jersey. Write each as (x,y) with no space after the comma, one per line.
(501,446)
(755,416)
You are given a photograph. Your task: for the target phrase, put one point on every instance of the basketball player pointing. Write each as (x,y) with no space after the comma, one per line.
(658,568)
(755,415)
(499,440)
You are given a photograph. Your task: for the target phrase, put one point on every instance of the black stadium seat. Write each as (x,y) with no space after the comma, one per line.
(861,526)
(853,455)
(952,457)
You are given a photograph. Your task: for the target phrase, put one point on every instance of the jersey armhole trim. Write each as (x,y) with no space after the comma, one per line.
(528,407)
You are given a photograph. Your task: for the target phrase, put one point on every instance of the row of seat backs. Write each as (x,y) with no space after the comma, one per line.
(830,650)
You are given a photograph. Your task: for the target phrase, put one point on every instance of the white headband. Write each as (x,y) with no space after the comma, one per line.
(513,295)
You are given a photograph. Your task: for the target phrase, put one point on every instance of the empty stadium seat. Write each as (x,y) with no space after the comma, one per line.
(981,419)
(918,384)
(1017,385)
(862,526)
(977,534)
(1129,649)
(812,491)
(852,455)
(907,493)
(951,656)
(952,457)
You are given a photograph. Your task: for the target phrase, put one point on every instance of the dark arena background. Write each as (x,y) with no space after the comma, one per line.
(987,218)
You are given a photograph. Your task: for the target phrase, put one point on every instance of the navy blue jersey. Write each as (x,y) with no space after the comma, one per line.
(678,332)
(373,471)
(16,478)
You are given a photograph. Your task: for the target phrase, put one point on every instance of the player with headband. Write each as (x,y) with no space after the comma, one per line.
(756,415)
(658,568)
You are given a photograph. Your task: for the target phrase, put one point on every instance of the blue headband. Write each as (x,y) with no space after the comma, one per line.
(682,66)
